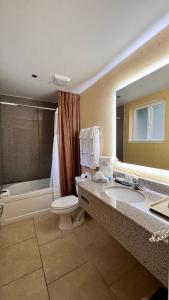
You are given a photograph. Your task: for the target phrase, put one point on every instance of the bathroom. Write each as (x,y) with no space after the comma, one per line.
(84,165)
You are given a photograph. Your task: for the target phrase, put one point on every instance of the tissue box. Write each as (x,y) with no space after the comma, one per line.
(106,165)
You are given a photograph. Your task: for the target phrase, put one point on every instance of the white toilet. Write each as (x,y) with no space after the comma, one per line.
(71,214)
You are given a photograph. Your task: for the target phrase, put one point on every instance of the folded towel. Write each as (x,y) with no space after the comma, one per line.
(84,133)
(94,146)
(90,147)
(84,147)
(99,175)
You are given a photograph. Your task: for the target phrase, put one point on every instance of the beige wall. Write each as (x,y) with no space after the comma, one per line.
(96,102)
(148,154)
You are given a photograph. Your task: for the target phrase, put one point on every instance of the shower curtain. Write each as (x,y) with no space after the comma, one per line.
(55,173)
(69,147)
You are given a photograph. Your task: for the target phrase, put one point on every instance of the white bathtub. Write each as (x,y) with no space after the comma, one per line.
(25,199)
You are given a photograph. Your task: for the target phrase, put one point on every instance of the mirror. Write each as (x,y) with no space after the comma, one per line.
(142,121)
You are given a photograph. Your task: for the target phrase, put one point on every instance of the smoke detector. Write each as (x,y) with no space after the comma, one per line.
(59,80)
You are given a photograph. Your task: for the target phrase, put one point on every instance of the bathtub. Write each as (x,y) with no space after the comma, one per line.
(25,199)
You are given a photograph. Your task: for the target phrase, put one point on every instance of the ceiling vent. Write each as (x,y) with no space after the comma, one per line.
(60,80)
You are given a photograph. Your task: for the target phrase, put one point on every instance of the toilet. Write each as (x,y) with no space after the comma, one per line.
(71,214)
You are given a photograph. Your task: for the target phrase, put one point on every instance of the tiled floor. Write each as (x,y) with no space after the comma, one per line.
(39,262)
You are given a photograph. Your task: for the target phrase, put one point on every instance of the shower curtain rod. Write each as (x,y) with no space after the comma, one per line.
(25,105)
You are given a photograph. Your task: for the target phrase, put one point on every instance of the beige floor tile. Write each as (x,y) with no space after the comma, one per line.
(109,257)
(16,232)
(84,283)
(61,256)
(18,260)
(29,287)
(90,231)
(112,260)
(64,258)
(47,228)
(43,217)
(136,284)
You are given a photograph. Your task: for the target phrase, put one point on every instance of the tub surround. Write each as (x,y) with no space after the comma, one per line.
(26,140)
(21,188)
(131,224)
(26,199)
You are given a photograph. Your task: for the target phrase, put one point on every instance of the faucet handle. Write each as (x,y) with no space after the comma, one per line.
(135,179)
(127,177)
(135,182)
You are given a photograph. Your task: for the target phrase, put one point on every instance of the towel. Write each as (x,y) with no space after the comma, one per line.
(94,147)
(84,147)
(90,147)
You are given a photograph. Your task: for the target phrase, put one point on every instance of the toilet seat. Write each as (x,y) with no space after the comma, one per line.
(66,202)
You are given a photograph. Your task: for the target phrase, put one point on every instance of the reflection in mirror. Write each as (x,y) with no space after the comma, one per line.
(142,122)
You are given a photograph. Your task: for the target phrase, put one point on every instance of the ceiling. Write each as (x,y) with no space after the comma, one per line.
(150,84)
(73,38)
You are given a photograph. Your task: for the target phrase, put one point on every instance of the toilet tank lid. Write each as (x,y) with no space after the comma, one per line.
(80,179)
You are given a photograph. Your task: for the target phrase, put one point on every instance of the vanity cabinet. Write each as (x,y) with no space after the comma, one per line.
(132,236)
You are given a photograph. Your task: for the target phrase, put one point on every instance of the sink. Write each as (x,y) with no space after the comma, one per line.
(125,194)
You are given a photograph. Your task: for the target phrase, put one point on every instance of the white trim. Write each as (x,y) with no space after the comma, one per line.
(145,37)
(147,142)
(134,124)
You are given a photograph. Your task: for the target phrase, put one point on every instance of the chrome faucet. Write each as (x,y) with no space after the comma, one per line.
(129,180)
(132,181)
(135,183)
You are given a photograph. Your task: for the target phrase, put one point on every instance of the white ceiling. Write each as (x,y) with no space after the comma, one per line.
(152,83)
(74,38)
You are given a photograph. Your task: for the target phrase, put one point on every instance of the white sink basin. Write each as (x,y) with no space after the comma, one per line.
(125,194)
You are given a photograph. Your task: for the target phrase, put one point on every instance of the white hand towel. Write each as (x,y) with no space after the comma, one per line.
(84,147)
(94,146)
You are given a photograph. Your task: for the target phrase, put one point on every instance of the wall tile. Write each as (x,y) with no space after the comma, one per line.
(26,141)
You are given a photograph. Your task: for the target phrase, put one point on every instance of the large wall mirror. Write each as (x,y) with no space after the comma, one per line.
(142,121)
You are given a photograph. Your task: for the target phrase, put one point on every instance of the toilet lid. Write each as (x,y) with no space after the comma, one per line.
(65,202)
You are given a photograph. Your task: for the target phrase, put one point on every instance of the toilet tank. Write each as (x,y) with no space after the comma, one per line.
(82,178)
(76,188)
(77,179)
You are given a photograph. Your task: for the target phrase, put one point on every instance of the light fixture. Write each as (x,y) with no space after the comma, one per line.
(59,80)
(9,103)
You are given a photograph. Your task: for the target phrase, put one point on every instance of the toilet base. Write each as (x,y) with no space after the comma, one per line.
(68,222)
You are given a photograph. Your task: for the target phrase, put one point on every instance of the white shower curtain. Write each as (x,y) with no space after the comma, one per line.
(55,174)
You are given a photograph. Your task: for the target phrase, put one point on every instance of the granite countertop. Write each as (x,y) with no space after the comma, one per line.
(137,212)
